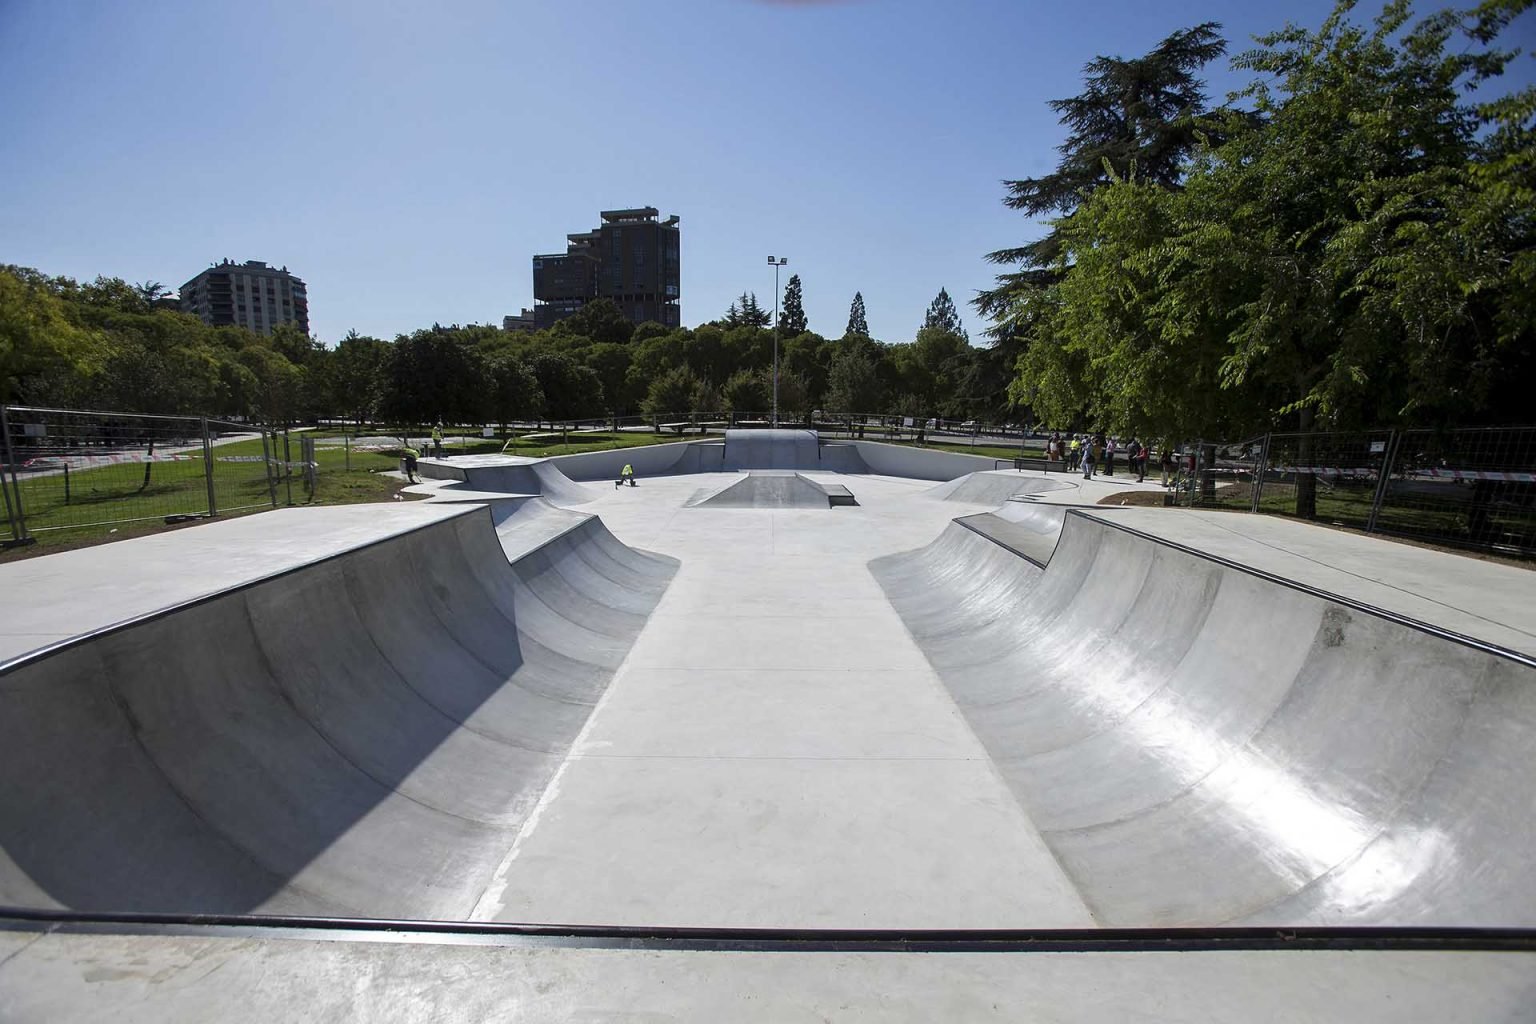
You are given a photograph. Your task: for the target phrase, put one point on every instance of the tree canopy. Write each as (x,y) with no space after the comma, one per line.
(1354,247)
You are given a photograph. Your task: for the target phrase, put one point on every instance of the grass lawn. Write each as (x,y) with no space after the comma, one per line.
(114,502)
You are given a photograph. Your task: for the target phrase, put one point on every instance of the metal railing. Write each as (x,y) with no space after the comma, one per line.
(69,468)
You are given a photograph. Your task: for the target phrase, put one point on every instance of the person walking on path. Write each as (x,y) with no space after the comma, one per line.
(411,455)
(1143,453)
(1109,457)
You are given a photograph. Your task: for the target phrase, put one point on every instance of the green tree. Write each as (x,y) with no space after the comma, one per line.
(571,391)
(858,323)
(1139,115)
(792,315)
(611,362)
(600,321)
(38,338)
(434,376)
(853,384)
(515,393)
(705,398)
(745,392)
(356,376)
(747,312)
(942,315)
(671,393)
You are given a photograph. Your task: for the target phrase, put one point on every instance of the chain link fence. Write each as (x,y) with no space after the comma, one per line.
(1470,488)
(68,469)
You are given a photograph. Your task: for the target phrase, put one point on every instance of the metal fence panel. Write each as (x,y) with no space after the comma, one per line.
(1468,488)
(73,468)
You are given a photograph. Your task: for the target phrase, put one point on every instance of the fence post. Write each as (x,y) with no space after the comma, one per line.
(1388,456)
(213,502)
(266,463)
(288,466)
(14,512)
(1258,474)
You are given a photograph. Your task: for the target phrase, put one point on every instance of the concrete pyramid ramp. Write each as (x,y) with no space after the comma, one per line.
(772,489)
(994,488)
(361,736)
(1200,745)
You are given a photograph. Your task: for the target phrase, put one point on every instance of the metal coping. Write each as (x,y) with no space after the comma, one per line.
(773,940)
(1485,646)
(453,511)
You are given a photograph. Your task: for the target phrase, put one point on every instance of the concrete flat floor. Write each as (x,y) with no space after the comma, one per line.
(776,751)
(155,979)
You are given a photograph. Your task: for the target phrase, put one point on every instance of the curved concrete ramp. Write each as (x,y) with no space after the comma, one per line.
(1199,745)
(994,488)
(772,489)
(363,735)
(771,449)
(510,474)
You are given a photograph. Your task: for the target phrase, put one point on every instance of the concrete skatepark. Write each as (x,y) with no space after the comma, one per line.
(968,745)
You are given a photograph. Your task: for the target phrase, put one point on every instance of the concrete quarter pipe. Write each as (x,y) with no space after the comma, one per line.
(361,736)
(1201,746)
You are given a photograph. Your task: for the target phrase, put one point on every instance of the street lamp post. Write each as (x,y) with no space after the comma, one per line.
(777,261)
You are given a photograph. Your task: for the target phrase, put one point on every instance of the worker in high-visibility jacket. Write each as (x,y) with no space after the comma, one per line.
(626,476)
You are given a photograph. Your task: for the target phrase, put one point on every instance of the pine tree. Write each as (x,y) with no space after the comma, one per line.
(943,315)
(733,316)
(1138,117)
(858,324)
(792,316)
(753,314)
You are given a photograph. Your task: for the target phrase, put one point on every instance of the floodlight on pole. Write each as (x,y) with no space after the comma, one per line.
(777,261)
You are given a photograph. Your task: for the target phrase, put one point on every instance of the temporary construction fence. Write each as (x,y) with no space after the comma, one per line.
(1470,488)
(69,468)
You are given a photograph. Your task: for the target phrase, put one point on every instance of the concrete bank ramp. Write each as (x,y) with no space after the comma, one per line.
(1200,745)
(767,488)
(363,735)
(993,488)
(510,474)
(788,450)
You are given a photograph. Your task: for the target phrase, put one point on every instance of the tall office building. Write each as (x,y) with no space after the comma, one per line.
(632,258)
(250,294)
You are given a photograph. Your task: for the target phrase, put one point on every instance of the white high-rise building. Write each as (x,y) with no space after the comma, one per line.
(250,294)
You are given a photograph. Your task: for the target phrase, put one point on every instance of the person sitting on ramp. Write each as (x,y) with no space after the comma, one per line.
(626,476)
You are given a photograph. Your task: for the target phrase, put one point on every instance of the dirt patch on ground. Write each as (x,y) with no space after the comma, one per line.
(1149,499)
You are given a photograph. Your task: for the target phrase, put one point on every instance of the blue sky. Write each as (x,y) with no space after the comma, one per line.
(407,158)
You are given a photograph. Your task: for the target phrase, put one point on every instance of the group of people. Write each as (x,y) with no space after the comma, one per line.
(1095,453)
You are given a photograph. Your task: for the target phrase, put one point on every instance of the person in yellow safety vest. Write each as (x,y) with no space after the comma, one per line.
(411,455)
(437,441)
(626,476)
(1077,454)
